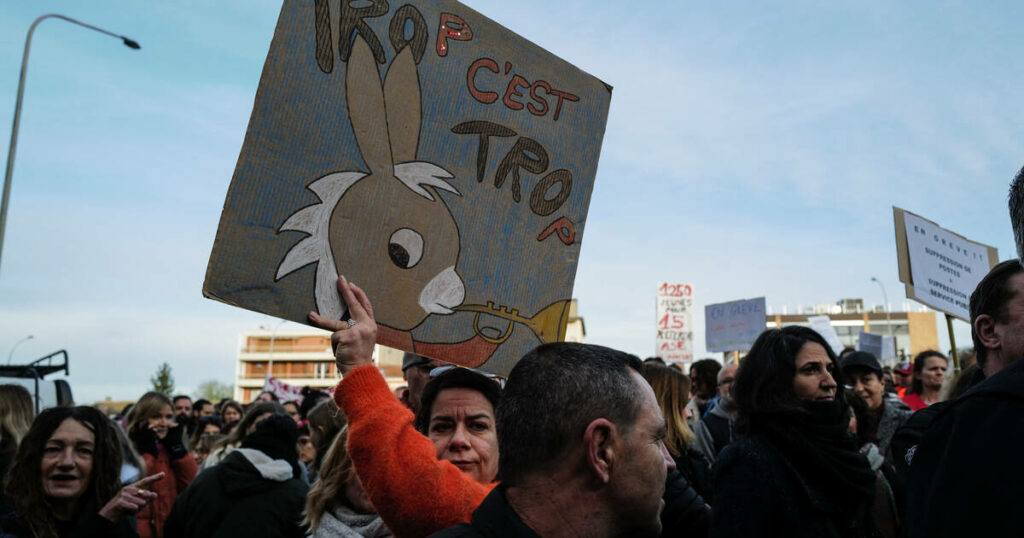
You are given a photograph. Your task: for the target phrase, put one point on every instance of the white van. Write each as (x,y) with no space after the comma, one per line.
(45,394)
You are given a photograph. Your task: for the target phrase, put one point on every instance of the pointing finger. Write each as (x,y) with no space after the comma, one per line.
(148,480)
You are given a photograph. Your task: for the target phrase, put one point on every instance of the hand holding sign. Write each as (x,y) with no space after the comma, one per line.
(352,340)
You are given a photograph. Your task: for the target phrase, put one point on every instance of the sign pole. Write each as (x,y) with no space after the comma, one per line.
(952,343)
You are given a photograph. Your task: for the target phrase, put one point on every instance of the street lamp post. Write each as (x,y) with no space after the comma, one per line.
(15,346)
(273,335)
(132,44)
(888,316)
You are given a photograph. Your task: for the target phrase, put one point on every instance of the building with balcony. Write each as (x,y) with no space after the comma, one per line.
(914,332)
(302,357)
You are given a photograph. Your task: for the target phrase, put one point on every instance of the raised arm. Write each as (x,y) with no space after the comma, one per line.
(414,493)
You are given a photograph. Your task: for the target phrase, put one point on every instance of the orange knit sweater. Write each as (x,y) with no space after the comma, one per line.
(415,493)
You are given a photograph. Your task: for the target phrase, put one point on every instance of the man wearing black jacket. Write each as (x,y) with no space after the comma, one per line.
(582,453)
(965,477)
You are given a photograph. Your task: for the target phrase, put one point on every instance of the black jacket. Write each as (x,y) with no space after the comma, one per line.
(965,477)
(759,492)
(493,518)
(90,525)
(696,469)
(685,514)
(238,497)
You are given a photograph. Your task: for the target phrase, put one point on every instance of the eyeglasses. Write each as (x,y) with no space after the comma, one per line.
(305,440)
(725,381)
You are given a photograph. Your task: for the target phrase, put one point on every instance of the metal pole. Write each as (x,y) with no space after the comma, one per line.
(952,343)
(15,346)
(888,315)
(273,334)
(17,108)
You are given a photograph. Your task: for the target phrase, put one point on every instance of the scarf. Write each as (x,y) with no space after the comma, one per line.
(819,444)
(342,522)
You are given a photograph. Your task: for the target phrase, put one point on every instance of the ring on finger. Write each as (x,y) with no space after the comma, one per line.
(351,323)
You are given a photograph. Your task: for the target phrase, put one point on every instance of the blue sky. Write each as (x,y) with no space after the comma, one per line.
(751,149)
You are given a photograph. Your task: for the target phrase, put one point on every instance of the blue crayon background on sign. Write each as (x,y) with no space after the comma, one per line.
(734,326)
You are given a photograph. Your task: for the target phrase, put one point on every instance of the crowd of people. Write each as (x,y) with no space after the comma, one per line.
(579,440)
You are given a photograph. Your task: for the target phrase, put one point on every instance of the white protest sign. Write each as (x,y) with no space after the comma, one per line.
(888,348)
(674,322)
(870,343)
(823,326)
(283,391)
(941,267)
(733,326)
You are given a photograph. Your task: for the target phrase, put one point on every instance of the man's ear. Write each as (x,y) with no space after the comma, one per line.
(985,328)
(599,448)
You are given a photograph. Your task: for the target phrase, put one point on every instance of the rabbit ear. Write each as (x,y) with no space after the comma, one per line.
(402,95)
(365,100)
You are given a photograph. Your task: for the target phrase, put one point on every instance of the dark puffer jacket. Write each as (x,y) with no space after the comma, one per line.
(247,494)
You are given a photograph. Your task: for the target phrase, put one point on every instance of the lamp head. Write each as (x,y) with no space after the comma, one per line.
(131,43)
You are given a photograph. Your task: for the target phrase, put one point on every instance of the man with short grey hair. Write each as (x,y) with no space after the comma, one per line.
(582,453)
(965,477)
(714,431)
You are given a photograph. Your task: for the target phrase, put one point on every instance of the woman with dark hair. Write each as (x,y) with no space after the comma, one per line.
(210,425)
(457,415)
(256,413)
(929,373)
(450,444)
(159,440)
(65,479)
(231,411)
(795,469)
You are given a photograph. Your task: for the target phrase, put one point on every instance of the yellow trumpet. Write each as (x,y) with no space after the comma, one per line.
(548,324)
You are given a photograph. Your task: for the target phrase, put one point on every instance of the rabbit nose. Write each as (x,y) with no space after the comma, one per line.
(443,292)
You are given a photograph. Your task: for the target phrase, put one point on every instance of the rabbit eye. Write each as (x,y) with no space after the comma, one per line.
(405,248)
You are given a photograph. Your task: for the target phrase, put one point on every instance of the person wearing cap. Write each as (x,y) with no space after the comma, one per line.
(902,376)
(256,491)
(416,372)
(864,375)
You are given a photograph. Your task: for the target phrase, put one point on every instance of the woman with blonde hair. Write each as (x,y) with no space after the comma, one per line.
(159,440)
(337,504)
(16,415)
(672,388)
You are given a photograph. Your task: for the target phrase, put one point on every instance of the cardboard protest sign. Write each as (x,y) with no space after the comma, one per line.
(870,343)
(733,326)
(674,339)
(433,157)
(823,326)
(940,268)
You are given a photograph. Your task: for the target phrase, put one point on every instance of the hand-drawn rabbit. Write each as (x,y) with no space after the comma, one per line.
(388,231)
